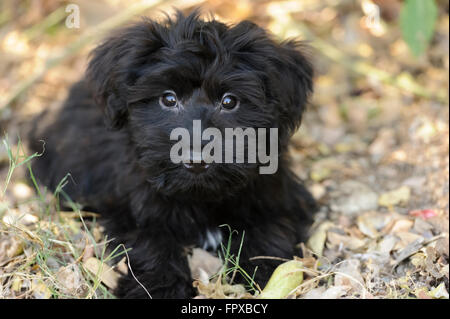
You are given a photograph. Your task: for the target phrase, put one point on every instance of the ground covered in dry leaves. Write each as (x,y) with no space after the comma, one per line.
(373,150)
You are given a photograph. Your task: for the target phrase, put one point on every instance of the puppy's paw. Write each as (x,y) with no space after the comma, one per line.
(156,288)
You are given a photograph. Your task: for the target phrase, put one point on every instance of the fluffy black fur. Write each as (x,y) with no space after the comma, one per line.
(123,171)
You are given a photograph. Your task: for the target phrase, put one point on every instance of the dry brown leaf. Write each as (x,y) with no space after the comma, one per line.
(408,251)
(348,274)
(387,244)
(395,197)
(351,243)
(418,260)
(317,241)
(401,225)
(439,292)
(203,265)
(406,238)
(371,223)
(431,265)
(353,197)
(88,252)
(16,284)
(70,280)
(122,266)
(105,273)
(40,289)
(421,226)
(216,290)
(10,246)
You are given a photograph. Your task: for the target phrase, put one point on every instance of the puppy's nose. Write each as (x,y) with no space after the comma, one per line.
(196,168)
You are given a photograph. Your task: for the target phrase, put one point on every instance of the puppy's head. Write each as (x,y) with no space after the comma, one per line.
(153,77)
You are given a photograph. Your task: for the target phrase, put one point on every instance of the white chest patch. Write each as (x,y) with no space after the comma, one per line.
(211,240)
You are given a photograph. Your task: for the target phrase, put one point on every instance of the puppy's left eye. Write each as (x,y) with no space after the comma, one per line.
(229,101)
(168,99)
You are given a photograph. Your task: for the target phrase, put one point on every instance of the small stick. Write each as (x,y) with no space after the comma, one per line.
(413,248)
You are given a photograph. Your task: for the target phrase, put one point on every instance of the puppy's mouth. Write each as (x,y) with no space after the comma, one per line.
(200,181)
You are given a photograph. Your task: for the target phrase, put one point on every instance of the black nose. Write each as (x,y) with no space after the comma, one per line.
(196,168)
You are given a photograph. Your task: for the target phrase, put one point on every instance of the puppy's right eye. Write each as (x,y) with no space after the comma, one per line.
(229,101)
(168,99)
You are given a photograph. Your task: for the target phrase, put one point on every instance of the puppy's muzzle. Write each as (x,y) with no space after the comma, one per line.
(196,168)
(196,164)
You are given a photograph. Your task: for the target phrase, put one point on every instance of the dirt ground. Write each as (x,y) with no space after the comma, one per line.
(373,150)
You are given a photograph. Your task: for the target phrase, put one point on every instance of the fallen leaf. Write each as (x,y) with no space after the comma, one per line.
(40,290)
(351,243)
(105,273)
(439,292)
(371,223)
(217,290)
(387,244)
(284,280)
(421,226)
(396,197)
(89,251)
(401,225)
(69,279)
(419,259)
(431,266)
(408,251)
(16,284)
(203,265)
(10,247)
(317,240)
(122,266)
(320,173)
(348,275)
(353,197)
(406,238)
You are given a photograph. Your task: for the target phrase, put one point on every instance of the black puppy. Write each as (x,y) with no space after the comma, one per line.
(143,82)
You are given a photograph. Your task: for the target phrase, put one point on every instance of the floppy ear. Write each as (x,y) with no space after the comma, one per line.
(107,78)
(293,85)
(114,65)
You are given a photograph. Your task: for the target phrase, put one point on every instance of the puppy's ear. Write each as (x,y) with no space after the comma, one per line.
(107,81)
(294,83)
(113,67)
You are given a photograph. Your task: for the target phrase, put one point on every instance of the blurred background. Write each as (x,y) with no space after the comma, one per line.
(373,147)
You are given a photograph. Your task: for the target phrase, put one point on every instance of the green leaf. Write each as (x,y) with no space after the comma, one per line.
(284,280)
(417,22)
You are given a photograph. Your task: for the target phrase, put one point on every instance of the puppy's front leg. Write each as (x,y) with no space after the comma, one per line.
(267,240)
(160,265)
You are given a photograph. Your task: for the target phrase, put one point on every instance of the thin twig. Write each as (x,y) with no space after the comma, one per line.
(269,257)
(413,248)
(132,273)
